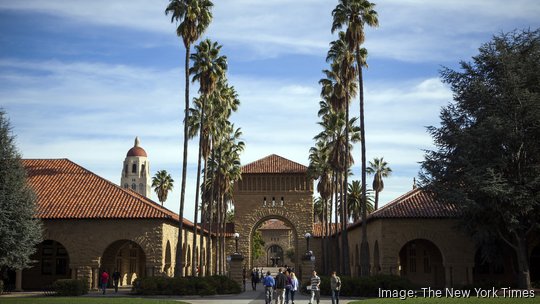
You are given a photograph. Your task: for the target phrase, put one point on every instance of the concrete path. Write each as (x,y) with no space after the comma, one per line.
(247,297)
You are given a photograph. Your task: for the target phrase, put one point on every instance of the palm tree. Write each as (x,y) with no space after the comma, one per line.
(193,17)
(379,168)
(208,68)
(162,183)
(354,14)
(354,200)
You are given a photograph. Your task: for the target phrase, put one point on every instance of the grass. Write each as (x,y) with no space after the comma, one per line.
(472,299)
(85,300)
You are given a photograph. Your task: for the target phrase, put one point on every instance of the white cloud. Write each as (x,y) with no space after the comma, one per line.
(413,31)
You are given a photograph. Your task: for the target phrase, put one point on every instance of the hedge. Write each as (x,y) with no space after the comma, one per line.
(185,286)
(70,287)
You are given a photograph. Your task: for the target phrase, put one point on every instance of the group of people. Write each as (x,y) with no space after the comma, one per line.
(282,287)
(285,285)
(105,280)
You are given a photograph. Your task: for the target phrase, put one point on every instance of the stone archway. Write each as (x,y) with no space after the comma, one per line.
(52,263)
(127,257)
(274,256)
(295,241)
(421,262)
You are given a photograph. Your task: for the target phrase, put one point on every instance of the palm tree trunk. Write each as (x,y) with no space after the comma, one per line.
(179,265)
(204,221)
(344,233)
(197,188)
(337,215)
(376,200)
(364,247)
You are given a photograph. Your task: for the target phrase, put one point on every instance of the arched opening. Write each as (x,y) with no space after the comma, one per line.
(52,263)
(421,262)
(274,256)
(273,243)
(495,264)
(126,257)
(167,262)
(534,264)
(376,259)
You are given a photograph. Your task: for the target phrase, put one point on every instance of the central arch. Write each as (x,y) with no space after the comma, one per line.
(295,243)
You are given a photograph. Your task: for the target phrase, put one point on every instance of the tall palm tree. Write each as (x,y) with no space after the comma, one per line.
(354,14)
(162,183)
(193,18)
(208,68)
(379,168)
(354,200)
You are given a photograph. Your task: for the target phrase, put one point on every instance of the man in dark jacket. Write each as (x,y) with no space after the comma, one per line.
(281,281)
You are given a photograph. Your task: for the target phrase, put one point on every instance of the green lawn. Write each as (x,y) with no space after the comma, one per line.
(85,300)
(451,301)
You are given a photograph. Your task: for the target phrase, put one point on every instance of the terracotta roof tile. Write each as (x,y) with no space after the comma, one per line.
(417,203)
(274,164)
(66,190)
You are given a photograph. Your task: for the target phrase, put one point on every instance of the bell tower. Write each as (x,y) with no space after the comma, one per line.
(136,170)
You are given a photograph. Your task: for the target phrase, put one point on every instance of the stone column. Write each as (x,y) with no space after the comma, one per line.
(95,278)
(18,280)
(306,268)
(448,276)
(236,265)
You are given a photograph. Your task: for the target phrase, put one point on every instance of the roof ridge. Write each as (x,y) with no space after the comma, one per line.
(395,201)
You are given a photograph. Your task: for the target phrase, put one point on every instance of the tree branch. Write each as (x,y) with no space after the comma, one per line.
(506,240)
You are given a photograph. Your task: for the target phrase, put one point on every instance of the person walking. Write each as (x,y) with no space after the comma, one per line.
(294,288)
(315,290)
(281,281)
(335,285)
(104,280)
(116,279)
(288,287)
(254,278)
(269,284)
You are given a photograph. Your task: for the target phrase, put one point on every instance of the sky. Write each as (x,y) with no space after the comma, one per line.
(81,79)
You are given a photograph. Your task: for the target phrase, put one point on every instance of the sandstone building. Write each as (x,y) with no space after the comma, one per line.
(91,224)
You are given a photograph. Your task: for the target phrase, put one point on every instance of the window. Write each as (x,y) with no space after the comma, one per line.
(125,170)
(412,257)
(126,186)
(134,168)
(143,168)
(54,258)
(264,201)
(282,201)
(427,262)
(134,187)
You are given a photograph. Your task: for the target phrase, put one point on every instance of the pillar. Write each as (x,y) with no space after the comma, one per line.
(95,278)
(236,266)
(18,280)
(306,268)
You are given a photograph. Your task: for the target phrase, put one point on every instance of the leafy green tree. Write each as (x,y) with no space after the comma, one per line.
(20,232)
(162,183)
(379,168)
(193,18)
(487,156)
(290,254)
(354,200)
(257,246)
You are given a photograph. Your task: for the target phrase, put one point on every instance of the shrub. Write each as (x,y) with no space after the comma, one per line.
(202,286)
(70,287)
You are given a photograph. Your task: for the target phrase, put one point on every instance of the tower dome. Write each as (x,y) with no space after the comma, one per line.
(137,150)
(136,170)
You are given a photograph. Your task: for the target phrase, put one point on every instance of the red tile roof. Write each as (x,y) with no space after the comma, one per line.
(318,229)
(274,164)
(417,203)
(66,190)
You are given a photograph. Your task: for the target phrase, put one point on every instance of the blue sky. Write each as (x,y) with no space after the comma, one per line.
(81,79)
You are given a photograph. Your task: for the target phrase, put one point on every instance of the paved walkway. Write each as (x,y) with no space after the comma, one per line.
(247,297)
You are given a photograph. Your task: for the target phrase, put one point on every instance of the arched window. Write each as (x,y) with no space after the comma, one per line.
(141,187)
(133,187)
(134,168)
(126,186)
